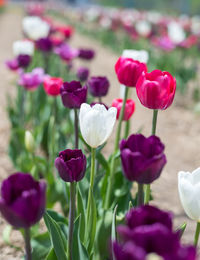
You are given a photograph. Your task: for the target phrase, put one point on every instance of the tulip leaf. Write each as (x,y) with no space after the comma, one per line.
(81,211)
(103,161)
(79,251)
(57,238)
(51,255)
(113,231)
(41,244)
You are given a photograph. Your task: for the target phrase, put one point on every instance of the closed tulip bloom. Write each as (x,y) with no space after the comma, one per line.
(86,54)
(73,94)
(66,52)
(96,123)
(129,107)
(71,165)
(66,31)
(23,200)
(189,190)
(23,60)
(44,44)
(142,158)
(52,85)
(156,89)
(24,47)
(82,73)
(12,64)
(128,71)
(32,80)
(98,86)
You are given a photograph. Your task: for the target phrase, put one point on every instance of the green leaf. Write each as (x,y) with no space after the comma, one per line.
(113,232)
(103,161)
(79,251)
(180,230)
(41,244)
(81,211)
(57,238)
(51,255)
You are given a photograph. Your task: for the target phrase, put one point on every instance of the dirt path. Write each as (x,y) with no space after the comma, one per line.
(178,128)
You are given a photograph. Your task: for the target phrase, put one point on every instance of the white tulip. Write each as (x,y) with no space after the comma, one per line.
(141,56)
(176,32)
(35,28)
(189,193)
(143,28)
(96,123)
(23,47)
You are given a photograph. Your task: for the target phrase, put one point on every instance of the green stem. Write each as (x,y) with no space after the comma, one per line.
(76,127)
(127,128)
(153,132)
(112,169)
(140,195)
(27,243)
(100,100)
(196,237)
(92,175)
(72,210)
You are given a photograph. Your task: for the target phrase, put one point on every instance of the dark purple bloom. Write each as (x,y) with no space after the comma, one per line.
(71,165)
(12,64)
(98,86)
(44,44)
(142,158)
(23,60)
(82,73)
(23,200)
(86,54)
(65,52)
(73,94)
(32,80)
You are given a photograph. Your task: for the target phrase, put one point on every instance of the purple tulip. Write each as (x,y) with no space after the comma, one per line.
(82,74)
(23,60)
(73,94)
(142,158)
(71,165)
(98,86)
(44,44)
(12,64)
(32,80)
(86,54)
(65,52)
(23,200)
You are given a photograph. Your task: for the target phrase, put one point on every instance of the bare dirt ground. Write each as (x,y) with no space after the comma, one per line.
(177,127)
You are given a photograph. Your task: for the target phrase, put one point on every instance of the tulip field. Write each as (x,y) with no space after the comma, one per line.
(99,134)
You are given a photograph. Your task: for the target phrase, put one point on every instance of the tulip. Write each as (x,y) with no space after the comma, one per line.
(156,89)
(71,165)
(35,28)
(12,64)
(82,74)
(29,142)
(143,28)
(22,201)
(98,86)
(142,158)
(176,32)
(24,47)
(52,85)
(67,31)
(129,108)
(73,94)
(23,60)
(96,123)
(44,44)
(86,54)
(65,52)
(128,71)
(141,56)
(32,80)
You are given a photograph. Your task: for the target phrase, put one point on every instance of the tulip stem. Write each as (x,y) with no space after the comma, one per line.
(76,127)
(153,132)
(100,100)
(92,174)
(140,195)
(71,218)
(127,128)
(112,168)
(27,243)
(196,237)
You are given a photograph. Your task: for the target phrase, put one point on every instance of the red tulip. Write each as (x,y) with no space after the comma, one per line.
(52,86)
(128,71)
(156,89)
(67,31)
(129,108)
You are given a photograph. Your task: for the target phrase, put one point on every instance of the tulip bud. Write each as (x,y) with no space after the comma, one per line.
(29,142)
(142,158)
(23,200)
(86,54)
(98,86)
(189,190)
(129,108)
(156,89)
(82,73)
(52,85)
(96,123)
(71,165)
(44,44)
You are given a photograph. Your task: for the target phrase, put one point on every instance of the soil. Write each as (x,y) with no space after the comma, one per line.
(178,127)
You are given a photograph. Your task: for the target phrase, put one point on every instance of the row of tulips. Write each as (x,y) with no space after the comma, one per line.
(99,217)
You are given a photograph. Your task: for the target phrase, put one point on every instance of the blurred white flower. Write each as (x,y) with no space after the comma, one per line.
(141,56)
(35,28)
(189,193)
(143,28)
(176,32)
(96,123)
(23,47)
